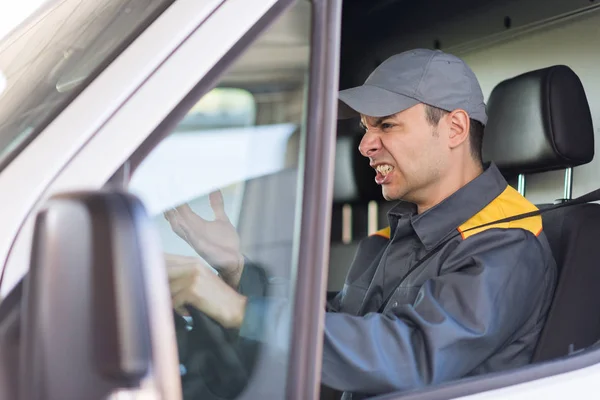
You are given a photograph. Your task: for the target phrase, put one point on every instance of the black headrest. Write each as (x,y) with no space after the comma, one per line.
(539,121)
(354,180)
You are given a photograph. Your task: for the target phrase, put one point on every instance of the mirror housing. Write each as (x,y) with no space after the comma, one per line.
(96,313)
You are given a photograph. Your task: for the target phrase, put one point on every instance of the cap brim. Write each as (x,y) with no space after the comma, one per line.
(372,101)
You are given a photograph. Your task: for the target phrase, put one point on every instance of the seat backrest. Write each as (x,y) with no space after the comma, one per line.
(574,319)
(540,121)
(354,188)
(266,221)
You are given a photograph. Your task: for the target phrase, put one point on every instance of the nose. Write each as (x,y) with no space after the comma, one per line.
(370,144)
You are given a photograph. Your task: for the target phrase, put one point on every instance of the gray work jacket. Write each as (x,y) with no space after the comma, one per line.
(476,305)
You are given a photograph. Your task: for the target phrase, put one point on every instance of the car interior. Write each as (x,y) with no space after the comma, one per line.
(547,109)
(544,100)
(540,128)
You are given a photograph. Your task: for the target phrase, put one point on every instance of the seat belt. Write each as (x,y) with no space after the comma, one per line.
(586,198)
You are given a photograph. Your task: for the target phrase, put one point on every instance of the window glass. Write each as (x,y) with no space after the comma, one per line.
(44,62)
(243,140)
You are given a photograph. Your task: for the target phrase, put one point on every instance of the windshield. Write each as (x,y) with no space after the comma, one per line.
(47,61)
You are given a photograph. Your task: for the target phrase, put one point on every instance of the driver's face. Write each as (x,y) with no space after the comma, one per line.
(407,153)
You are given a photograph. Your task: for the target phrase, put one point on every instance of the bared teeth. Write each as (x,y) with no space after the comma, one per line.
(384,169)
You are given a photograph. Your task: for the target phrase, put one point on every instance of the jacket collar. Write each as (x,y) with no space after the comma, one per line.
(439,221)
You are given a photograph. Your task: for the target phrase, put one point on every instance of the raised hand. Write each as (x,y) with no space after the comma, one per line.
(216,241)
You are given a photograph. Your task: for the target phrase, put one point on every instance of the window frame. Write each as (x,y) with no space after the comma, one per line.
(304,377)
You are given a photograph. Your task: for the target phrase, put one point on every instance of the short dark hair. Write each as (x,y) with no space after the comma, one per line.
(434,114)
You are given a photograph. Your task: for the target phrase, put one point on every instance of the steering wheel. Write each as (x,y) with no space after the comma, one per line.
(216,363)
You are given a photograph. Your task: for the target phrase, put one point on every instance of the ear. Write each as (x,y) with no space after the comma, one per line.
(459,123)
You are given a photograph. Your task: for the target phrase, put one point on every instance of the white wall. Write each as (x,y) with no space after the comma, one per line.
(575,44)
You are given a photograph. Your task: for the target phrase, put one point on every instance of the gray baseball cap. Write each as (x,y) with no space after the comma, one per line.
(417,76)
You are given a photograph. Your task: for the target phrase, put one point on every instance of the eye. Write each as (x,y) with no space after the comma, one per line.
(386,125)
(362,126)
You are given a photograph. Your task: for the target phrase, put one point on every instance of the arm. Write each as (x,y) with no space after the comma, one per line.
(488,288)
(275,310)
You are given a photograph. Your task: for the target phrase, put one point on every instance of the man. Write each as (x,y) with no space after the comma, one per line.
(429,299)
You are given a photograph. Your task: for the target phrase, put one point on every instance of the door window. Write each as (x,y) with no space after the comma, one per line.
(223,190)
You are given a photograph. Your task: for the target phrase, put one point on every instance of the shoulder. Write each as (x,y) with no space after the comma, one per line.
(519,242)
(374,243)
(383,233)
(508,204)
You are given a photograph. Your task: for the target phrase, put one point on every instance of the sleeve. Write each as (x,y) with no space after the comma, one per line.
(254,281)
(263,309)
(460,318)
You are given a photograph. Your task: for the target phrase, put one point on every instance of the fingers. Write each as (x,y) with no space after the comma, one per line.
(176,272)
(183,213)
(185,267)
(217,205)
(186,224)
(176,223)
(177,285)
(182,216)
(179,300)
(185,210)
(171,215)
(181,280)
(181,310)
(178,259)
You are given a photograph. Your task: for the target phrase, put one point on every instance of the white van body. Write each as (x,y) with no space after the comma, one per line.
(97,132)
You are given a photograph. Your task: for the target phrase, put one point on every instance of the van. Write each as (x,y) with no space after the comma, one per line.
(116,114)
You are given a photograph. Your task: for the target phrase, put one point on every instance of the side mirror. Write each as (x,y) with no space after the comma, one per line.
(96,315)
